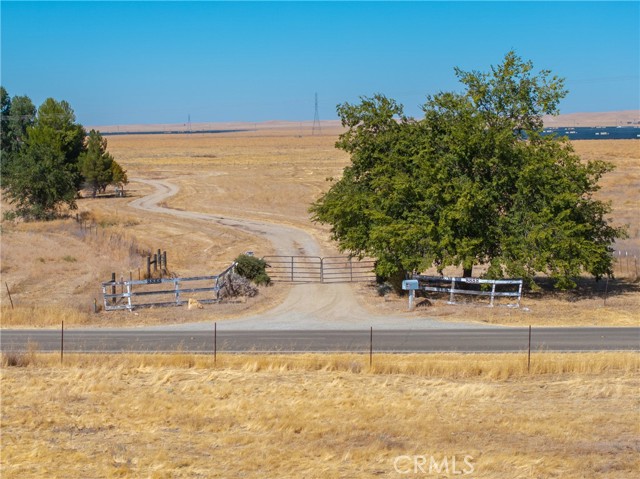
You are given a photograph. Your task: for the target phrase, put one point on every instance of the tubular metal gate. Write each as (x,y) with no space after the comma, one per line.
(314,269)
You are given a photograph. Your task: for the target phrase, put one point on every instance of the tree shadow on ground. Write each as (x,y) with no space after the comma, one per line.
(587,288)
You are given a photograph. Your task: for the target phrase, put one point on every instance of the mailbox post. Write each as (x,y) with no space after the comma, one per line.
(410,285)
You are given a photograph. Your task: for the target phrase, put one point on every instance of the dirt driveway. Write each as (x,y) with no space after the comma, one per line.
(307,306)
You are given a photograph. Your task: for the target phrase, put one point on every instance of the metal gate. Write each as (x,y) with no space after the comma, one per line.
(314,269)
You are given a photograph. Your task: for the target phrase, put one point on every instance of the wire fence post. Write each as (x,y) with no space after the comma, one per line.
(371,347)
(62,343)
(9,293)
(113,287)
(215,342)
(529,354)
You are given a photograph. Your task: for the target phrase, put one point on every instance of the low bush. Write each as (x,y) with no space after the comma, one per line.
(253,268)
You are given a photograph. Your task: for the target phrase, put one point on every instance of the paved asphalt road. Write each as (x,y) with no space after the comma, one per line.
(471,340)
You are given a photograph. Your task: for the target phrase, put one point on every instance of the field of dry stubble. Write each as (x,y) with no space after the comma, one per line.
(322,416)
(270,174)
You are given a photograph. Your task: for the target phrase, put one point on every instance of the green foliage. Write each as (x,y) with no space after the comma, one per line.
(56,126)
(253,268)
(45,160)
(40,171)
(473,182)
(38,182)
(98,167)
(118,175)
(18,114)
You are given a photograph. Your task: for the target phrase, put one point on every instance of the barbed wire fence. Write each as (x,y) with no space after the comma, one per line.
(625,263)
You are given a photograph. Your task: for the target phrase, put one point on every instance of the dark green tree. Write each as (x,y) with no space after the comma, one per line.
(96,163)
(18,114)
(119,176)
(38,183)
(473,182)
(56,126)
(5,109)
(42,175)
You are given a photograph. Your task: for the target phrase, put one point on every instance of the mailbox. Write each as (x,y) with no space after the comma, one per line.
(410,284)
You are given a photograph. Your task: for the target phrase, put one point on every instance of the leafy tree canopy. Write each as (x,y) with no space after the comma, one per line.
(45,160)
(18,113)
(473,182)
(56,127)
(40,153)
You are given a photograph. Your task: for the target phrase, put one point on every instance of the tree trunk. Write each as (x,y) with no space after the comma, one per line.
(467,272)
(394,280)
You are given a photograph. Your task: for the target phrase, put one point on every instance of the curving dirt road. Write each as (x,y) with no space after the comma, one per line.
(308,306)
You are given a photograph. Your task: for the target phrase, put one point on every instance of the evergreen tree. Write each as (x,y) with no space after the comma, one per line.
(41,174)
(96,164)
(118,175)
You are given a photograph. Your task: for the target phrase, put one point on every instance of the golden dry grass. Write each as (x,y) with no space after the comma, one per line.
(319,416)
(622,186)
(272,175)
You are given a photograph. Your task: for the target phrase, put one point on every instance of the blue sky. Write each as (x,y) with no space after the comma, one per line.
(158,62)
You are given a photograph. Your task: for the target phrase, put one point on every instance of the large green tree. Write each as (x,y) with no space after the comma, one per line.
(472,182)
(40,174)
(56,127)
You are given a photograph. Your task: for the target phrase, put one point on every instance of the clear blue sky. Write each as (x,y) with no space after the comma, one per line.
(156,62)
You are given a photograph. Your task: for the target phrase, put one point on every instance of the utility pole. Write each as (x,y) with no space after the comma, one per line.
(316,120)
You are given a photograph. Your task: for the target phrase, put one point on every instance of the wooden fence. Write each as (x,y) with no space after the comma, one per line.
(204,289)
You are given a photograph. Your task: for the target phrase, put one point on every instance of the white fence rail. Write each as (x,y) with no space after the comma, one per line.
(450,285)
(205,289)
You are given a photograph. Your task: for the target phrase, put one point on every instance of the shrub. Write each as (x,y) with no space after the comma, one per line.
(253,268)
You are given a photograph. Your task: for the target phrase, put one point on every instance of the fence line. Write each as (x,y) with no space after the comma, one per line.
(425,281)
(626,262)
(172,297)
(315,269)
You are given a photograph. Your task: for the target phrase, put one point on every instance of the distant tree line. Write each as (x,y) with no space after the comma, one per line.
(47,158)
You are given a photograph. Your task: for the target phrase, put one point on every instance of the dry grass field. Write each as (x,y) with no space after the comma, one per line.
(321,416)
(272,174)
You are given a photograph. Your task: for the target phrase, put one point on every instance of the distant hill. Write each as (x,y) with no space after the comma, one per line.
(609,118)
(606,118)
(302,126)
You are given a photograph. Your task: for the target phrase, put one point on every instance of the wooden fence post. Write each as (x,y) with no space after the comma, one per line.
(9,293)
